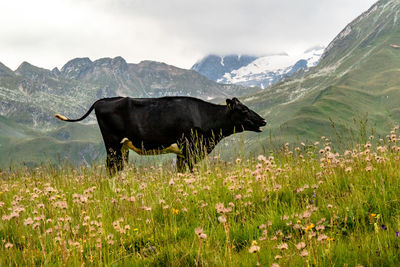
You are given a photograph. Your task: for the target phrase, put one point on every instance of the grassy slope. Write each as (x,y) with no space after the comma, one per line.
(337,209)
(73,143)
(356,86)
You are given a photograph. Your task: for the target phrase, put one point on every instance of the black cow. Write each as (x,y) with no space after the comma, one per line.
(186,126)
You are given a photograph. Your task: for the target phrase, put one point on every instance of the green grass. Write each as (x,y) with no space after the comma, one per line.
(339,209)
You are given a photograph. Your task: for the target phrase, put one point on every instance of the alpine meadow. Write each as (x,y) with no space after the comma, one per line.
(318,185)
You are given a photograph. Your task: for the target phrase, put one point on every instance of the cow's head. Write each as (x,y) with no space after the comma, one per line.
(243,117)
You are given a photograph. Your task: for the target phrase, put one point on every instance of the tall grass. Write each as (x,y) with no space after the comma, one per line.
(303,206)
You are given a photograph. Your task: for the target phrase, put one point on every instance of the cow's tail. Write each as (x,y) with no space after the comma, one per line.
(63,118)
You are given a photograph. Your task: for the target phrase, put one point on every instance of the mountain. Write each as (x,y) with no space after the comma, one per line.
(262,71)
(30,96)
(214,67)
(355,87)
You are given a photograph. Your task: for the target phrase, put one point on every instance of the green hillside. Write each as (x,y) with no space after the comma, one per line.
(356,84)
(76,144)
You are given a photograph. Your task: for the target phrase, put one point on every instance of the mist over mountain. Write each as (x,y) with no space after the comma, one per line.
(262,72)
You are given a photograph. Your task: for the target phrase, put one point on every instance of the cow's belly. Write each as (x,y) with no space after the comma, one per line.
(127,144)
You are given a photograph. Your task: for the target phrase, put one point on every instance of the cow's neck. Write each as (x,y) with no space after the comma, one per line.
(220,126)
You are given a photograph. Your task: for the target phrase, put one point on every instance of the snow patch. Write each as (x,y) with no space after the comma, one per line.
(267,70)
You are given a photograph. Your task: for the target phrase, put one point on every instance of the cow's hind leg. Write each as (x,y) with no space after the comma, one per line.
(115,159)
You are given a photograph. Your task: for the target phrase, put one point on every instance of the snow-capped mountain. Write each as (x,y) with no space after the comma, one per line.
(262,71)
(214,67)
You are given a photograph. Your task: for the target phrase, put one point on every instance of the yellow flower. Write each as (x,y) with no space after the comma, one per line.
(175,211)
(310,227)
(373,215)
(330,239)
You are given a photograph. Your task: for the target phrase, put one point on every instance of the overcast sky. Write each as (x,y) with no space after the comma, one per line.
(48,33)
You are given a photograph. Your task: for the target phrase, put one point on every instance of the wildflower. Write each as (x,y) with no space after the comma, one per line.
(283,246)
(200,234)
(397,233)
(311,235)
(221,208)
(175,211)
(319,227)
(306,214)
(275,264)
(277,257)
(61,205)
(304,253)
(28,221)
(301,245)
(277,187)
(8,245)
(329,206)
(296,226)
(322,237)
(254,247)
(383,227)
(262,158)
(222,219)
(262,226)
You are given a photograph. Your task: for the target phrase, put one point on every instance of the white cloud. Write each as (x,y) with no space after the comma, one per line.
(48,33)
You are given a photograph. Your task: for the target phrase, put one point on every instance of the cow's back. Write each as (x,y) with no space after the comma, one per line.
(150,121)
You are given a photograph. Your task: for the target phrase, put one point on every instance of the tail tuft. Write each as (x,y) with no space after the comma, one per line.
(61,117)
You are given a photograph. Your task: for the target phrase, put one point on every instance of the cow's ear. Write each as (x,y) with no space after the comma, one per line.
(229,103)
(232,103)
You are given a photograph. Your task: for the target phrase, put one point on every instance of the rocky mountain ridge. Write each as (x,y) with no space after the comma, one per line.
(31,95)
